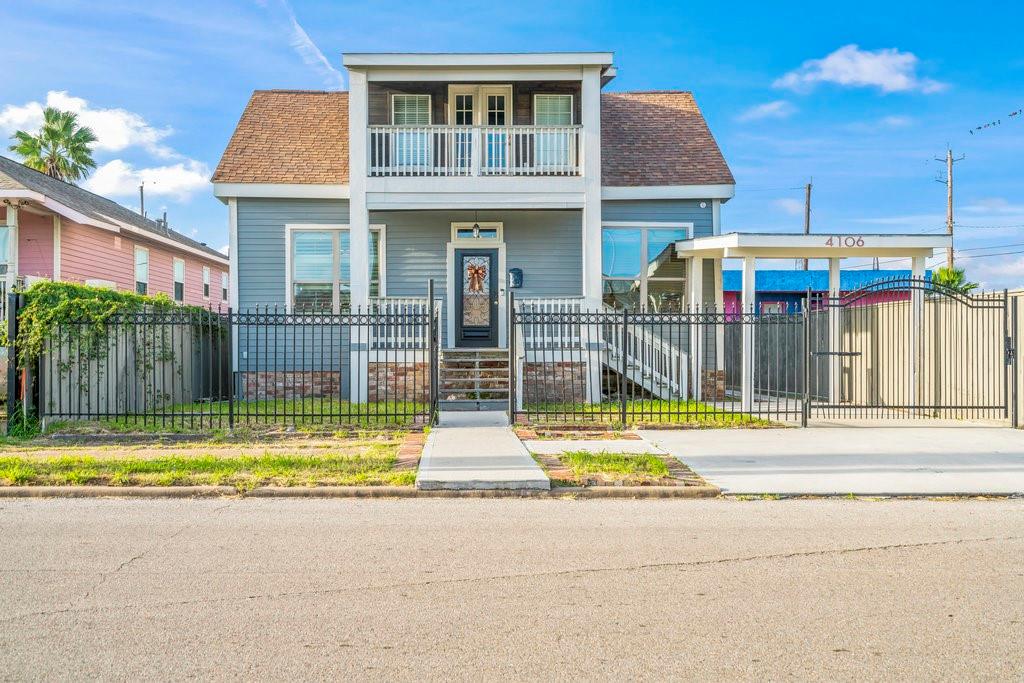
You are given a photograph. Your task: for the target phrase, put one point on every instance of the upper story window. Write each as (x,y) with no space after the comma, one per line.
(141,270)
(179,279)
(223,286)
(206,282)
(640,268)
(321,269)
(552,110)
(410,110)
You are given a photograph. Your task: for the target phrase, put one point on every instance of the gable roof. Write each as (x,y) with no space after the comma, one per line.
(301,136)
(658,138)
(17,178)
(289,136)
(817,280)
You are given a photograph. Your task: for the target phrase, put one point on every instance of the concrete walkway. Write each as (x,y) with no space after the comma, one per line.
(477,450)
(961,460)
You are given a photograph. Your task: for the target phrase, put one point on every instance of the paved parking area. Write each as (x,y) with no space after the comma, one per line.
(867,460)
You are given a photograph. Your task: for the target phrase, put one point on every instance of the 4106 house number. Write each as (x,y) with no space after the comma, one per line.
(844,241)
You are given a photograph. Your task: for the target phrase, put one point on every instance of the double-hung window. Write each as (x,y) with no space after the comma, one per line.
(553,148)
(5,249)
(179,280)
(321,269)
(206,282)
(641,270)
(412,147)
(141,270)
(224,287)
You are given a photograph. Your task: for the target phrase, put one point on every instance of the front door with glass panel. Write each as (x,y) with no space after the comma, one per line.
(476,297)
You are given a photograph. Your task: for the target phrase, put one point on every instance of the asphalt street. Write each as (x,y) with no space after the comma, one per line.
(513,589)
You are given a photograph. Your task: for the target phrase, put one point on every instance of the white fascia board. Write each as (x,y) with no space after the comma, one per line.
(821,245)
(478,59)
(723,192)
(58,208)
(477,74)
(281,190)
(382,201)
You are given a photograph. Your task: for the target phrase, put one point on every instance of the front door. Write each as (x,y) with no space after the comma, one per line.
(476,297)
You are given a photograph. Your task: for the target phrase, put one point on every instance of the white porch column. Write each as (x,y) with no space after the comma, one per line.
(359,232)
(695,285)
(916,321)
(747,326)
(719,308)
(590,106)
(835,340)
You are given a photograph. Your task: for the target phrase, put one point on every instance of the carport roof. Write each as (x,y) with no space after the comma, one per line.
(822,245)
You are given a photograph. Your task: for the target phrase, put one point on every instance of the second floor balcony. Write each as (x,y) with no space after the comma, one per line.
(474,150)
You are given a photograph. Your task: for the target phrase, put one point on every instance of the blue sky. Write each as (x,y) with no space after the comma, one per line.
(860,100)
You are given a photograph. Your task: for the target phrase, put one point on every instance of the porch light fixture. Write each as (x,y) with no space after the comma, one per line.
(476,224)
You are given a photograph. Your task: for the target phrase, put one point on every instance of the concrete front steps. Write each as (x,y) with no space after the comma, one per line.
(473,379)
(477,450)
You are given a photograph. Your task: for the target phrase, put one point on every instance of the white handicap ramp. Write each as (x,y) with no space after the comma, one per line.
(477,450)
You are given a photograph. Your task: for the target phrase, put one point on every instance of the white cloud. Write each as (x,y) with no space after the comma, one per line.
(225,249)
(116,129)
(777,109)
(300,41)
(118,178)
(994,205)
(889,70)
(794,207)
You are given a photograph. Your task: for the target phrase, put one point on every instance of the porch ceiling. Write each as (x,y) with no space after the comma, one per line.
(784,245)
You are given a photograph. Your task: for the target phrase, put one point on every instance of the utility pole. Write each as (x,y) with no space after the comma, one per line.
(807,215)
(949,200)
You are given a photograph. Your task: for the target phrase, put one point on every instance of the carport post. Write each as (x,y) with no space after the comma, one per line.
(696,282)
(835,340)
(916,321)
(747,326)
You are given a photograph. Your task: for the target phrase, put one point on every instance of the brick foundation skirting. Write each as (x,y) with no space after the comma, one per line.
(712,385)
(385,382)
(564,382)
(399,382)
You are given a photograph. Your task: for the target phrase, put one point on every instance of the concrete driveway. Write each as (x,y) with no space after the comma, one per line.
(964,460)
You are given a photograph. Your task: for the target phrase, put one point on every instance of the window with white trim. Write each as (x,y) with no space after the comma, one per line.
(553,147)
(412,147)
(141,270)
(641,270)
(224,287)
(179,279)
(321,269)
(206,282)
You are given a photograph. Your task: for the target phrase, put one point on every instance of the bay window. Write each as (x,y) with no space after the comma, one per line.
(321,269)
(640,268)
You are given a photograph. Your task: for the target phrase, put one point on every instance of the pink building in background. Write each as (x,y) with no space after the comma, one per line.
(53,230)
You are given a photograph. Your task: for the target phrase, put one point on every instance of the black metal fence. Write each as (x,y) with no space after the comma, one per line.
(636,367)
(191,369)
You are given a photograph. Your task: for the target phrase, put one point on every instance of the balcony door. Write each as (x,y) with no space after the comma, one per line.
(488,107)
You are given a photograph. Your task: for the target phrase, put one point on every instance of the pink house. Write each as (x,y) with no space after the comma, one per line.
(53,230)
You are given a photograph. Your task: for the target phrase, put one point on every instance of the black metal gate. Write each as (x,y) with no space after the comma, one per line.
(909,348)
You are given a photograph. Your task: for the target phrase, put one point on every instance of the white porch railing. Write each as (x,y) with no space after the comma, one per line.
(653,362)
(399,333)
(474,150)
(551,335)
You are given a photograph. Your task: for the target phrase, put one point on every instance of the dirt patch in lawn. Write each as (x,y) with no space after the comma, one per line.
(582,468)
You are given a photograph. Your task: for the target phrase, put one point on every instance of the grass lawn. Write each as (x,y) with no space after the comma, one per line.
(353,462)
(304,414)
(579,468)
(645,412)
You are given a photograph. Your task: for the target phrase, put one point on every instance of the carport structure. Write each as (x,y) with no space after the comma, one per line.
(751,246)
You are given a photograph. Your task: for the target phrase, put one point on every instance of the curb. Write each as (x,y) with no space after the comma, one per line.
(621,492)
(117,491)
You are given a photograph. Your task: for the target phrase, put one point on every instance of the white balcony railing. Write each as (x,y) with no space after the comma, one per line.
(475,150)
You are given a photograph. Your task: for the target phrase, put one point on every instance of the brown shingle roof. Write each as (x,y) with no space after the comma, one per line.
(658,138)
(301,136)
(289,136)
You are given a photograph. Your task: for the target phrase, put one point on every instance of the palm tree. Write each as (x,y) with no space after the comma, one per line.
(953,278)
(61,147)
